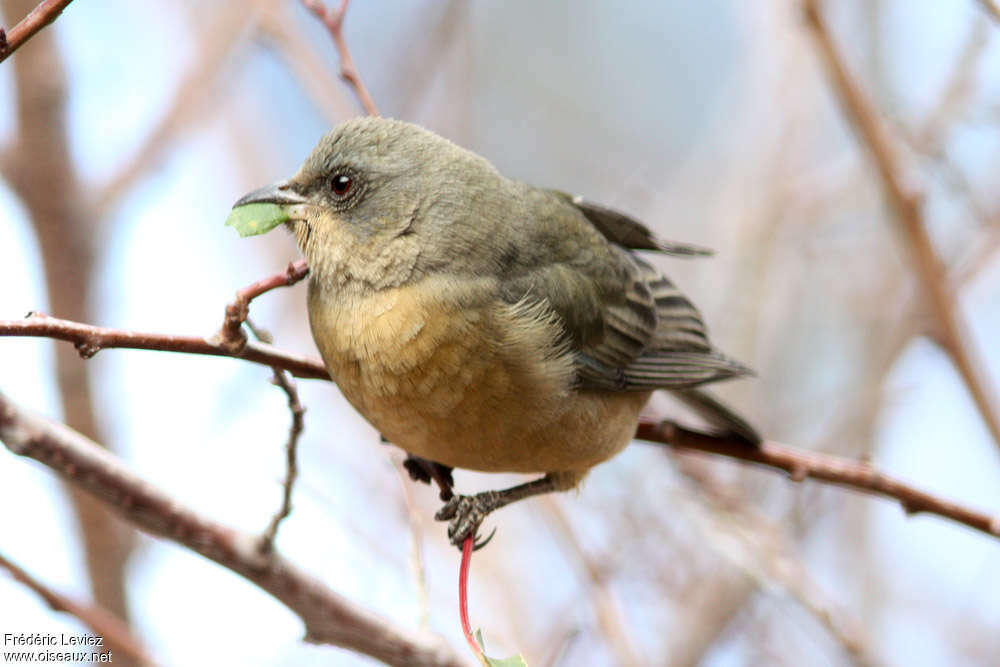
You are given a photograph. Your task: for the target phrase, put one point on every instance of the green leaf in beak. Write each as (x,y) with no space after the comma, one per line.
(255,219)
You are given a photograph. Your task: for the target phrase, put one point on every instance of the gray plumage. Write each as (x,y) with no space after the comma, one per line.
(628,326)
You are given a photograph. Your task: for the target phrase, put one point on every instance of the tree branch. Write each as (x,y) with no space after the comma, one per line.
(328,617)
(89,340)
(230,341)
(334,22)
(907,203)
(798,464)
(45,13)
(102,622)
(801,465)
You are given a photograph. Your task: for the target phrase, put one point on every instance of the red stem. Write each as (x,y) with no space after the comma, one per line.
(463,595)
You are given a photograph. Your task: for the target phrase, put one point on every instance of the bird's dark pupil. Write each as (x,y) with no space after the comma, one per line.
(341,184)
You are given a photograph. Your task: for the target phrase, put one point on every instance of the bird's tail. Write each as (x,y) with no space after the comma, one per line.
(718,415)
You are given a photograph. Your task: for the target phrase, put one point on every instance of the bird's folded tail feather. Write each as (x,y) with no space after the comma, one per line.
(718,415)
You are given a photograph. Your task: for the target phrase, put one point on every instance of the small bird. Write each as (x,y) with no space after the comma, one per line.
(483,323)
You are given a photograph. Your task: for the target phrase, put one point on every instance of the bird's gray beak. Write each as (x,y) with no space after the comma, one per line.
(280,193)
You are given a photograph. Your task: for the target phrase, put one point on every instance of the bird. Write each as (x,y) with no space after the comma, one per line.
(483,323)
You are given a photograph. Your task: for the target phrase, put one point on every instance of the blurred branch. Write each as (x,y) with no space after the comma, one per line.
(899,322)
(310,70)
(763,553)
(280,380)
(709,609)
(187,106)
(802,465)
(328,617)
(991,8)
(907,203)
(102,622)
(931,138)
(431,47)
(958,91)
(609,617)
(89,340)
(982,255)
(416,558)
(42,172)
(559,641)
(334,22)
(45,13)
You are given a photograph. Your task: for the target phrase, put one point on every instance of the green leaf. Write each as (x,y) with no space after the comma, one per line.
(254,219)
(513,661)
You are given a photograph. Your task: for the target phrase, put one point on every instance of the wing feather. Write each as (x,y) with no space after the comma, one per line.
(628,327)
(655,338)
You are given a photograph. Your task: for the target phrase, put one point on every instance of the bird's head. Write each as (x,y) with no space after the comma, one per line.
(380,202)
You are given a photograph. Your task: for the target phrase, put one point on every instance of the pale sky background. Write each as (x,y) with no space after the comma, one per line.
(630,104)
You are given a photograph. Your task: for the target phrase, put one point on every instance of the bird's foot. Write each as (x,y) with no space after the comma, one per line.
(422,470)
(464,514)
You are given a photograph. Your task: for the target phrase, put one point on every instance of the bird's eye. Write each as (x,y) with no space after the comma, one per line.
(341,184)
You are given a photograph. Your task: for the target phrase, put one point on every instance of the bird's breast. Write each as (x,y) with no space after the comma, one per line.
(447,372)
(402,344)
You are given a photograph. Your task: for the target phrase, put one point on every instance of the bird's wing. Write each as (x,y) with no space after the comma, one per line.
(627,326)
(627,231)
(654,338)
(645,334)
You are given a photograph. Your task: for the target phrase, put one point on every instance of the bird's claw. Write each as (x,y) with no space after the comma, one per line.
(464,514)
(479,544)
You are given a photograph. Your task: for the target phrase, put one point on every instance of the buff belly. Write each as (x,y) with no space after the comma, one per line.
(469,382)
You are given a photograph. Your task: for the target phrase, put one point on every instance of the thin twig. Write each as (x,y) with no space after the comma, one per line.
(907,202)
(102,622)
(230,341)
(295,428)
(801,465)
(329,618)
(291,458)
(334,22)
(231,332)
(89,340)
(45,13)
